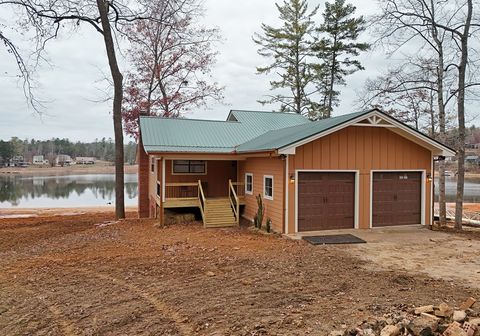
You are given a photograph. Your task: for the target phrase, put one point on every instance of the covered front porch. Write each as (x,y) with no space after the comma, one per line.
(212,186)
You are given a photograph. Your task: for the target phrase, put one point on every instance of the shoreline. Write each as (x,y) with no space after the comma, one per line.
(67,211)
(71,170)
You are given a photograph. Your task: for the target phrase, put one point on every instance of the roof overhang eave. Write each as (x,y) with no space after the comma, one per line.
(436,147)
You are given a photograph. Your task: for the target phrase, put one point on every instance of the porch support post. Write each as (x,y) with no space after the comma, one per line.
(163,181)
(162,198)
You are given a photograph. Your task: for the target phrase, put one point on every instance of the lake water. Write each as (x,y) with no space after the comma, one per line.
(472,189)
(63,191)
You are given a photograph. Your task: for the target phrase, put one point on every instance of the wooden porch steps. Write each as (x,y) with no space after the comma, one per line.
(218,213)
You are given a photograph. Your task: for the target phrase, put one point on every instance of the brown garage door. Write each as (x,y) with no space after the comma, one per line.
(396,198)
(325,200)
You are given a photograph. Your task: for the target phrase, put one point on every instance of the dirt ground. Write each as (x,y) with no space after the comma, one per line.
(67,275)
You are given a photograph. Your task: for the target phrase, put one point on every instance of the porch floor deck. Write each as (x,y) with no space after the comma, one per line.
(189,202)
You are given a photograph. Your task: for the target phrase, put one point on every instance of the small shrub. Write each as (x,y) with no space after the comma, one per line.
(268,225)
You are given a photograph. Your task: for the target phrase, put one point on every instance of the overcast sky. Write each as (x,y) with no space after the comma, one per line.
(71,85)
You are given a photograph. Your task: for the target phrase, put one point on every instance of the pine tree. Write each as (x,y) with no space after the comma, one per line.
(336,47)
(290,48)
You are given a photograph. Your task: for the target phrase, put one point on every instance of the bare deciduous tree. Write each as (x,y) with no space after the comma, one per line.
(439,30)
(462,34)
(172,58)
(46,18)
(408,92)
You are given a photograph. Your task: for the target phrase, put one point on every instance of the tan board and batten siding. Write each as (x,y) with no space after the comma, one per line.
(260,167)
(363,149)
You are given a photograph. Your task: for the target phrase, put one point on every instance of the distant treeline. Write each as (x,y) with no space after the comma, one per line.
(103,149)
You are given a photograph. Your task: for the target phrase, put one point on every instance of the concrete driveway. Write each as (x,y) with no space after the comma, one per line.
(415,249)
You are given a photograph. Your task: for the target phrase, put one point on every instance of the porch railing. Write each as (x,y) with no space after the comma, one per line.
(234,202)
(239,188)
(201,200)
(181,190)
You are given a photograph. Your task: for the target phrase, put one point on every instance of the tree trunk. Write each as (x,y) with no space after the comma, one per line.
(442,199)
(442,202)
(298,103)
(461,118)
(432,115)
(117,78)
(332,79)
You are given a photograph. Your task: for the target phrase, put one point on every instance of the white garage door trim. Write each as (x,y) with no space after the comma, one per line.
(356,193)
(422,188)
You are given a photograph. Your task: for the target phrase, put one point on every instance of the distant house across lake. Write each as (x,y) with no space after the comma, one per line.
(39,160)
(63,160)
(472,159)
(85,160)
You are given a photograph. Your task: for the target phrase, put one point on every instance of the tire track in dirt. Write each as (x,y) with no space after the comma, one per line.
(67,325)
(160,306)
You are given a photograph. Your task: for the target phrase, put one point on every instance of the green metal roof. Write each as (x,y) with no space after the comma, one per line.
(211,136)
(260,122)
(283,137)
(244,131)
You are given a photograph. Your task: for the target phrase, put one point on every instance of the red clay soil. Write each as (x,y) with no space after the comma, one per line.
(64,275)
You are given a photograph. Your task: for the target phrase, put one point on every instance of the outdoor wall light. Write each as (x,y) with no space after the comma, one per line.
(292,178)
(429,177)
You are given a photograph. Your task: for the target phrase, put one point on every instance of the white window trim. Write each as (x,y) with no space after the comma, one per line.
(153,165)
(246,190)
(191,174)
(264,184)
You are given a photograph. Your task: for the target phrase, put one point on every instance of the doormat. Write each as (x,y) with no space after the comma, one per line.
(334,239)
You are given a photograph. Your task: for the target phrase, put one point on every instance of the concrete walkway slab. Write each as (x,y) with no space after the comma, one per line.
(416,249)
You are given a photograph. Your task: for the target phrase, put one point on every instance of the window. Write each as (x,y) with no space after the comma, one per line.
(159,189)
(152,165)
(249,183)
(268,187)
(189,167)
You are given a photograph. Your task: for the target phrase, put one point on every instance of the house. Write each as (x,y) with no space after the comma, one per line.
(39,160)
(17,161)
(472,159)
(63,160)
(358,170)
(85,160)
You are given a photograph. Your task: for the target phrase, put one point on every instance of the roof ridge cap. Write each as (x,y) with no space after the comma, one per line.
(192,119)
(279,112)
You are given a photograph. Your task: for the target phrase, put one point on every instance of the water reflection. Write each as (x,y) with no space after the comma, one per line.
(63,191)
(472,189)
